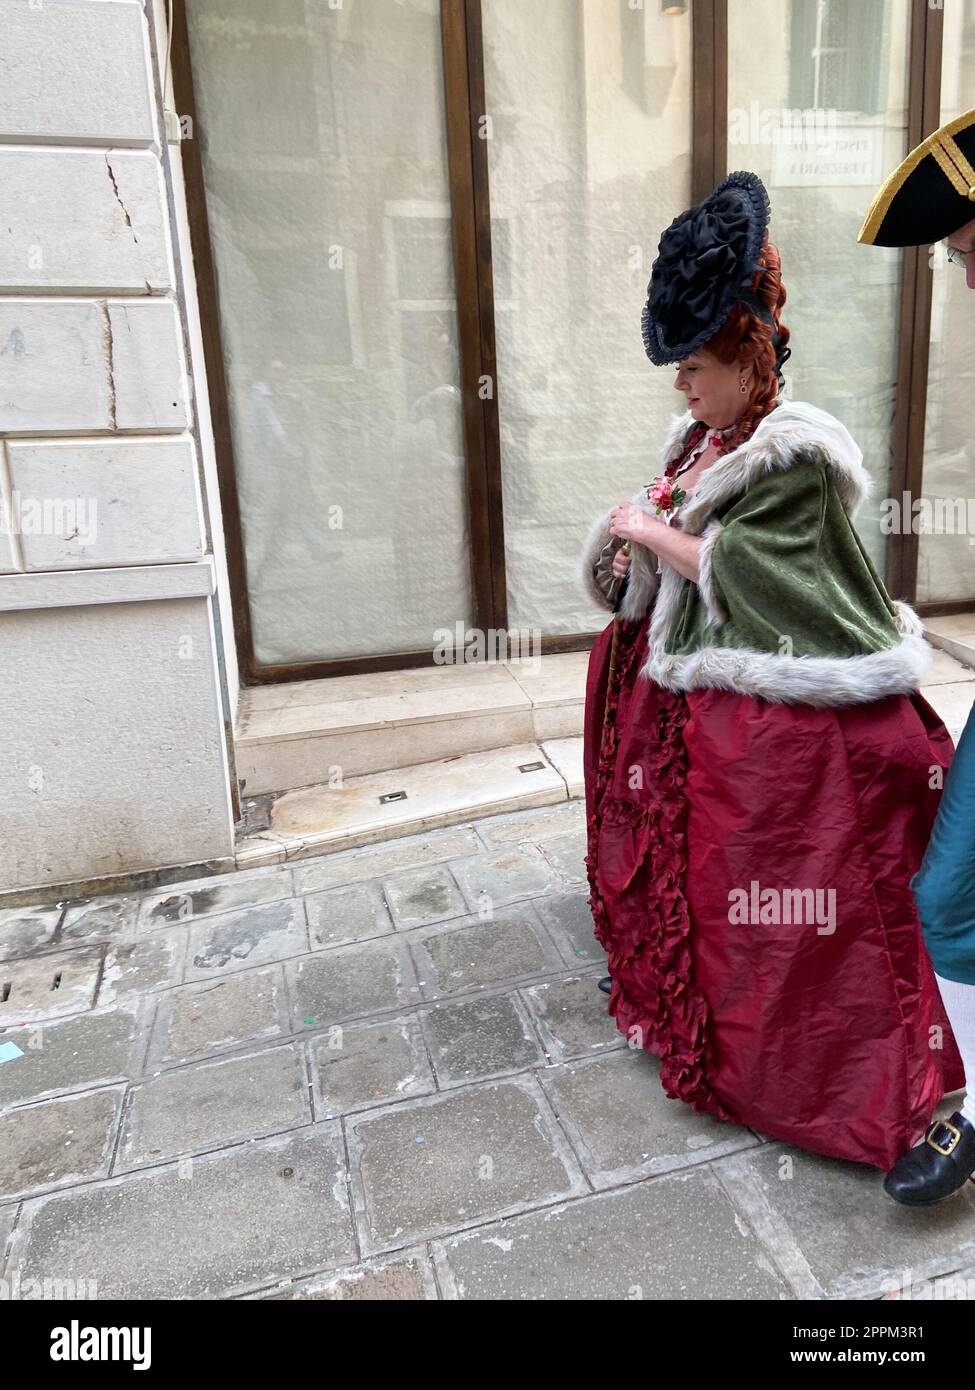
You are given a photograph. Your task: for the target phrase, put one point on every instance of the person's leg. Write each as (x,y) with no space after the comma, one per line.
(959,1002)
(944,889)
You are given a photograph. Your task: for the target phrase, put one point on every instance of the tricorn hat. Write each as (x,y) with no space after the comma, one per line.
(931,194)
(707,260)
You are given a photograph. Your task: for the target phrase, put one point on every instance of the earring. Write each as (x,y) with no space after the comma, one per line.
(743,387)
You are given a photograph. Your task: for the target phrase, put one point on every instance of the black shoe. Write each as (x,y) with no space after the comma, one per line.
(935,1168)
(607,984)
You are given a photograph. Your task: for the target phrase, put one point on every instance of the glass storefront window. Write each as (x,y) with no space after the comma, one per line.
(817,96)
(588,106)
(323,144)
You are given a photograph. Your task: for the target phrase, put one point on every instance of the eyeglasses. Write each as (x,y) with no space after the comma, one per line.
(957,257)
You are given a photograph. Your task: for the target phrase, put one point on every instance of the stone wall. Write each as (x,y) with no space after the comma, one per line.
(114,692)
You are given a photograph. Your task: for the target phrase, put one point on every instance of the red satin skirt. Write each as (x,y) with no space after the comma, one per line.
(826,1032)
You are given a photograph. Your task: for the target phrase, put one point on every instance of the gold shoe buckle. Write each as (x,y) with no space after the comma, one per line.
(947,1148)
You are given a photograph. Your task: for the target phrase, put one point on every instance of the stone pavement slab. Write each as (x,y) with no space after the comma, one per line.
(202,1019)
(480,1038)
(389,1281)
(212,1104)
(454,1160)
(362,1065)
(57,1141)
(136,967)
(338,916)
(568,918)
(571,1018)
(207,897)
(208,1228)
(24,929)
(71,1053)
(245,937)
(49,984)
(831,1228)
(679,1237)
(497,879)
(469,953)
(376,861)
(350,981)
(421,896)
(624,1126)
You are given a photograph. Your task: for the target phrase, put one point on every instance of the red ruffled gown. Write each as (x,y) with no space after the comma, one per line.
(820,1040)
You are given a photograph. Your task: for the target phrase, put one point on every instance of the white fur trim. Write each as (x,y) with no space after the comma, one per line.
(808,680)
(906,619)
(786,436)
(598,537)
(705,581)
(641,588)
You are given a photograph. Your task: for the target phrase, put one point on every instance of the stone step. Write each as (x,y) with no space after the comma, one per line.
(954,635)
(309,820)
(305,733)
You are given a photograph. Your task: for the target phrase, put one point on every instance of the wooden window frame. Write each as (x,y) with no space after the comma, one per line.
(467,159)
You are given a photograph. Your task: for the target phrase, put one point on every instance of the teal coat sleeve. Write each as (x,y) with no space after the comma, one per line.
(944,886)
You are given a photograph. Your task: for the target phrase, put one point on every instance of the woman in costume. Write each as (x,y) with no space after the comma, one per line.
(758,762)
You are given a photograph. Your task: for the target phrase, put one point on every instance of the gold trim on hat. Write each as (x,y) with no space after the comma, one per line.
(948,169)
(957,155)
(935,145)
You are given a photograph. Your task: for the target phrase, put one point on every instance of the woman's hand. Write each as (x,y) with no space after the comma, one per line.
(631,522)
(621,563)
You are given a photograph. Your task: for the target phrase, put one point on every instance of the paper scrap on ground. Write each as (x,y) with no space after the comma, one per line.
(8,1051)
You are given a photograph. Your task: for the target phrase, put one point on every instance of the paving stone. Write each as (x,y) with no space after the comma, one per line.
(396,1281)
(359,1067)
(515,827)
(49,985)
(100,919)
(429,1166)
(67,1054)
(349,981)
(8,1219)
(255,936)
(57,1141)
(471,954)
(479,1038)
(832,1228)
(338,916)
(198,1020)
(566,854)
(422,896)
(205,1229)
(505,876)
(624,1126)
(671,1238)
(134,967)
(213,1104)
(572,1019)
(24,930)
(568,918)
(205,897)
(374,861)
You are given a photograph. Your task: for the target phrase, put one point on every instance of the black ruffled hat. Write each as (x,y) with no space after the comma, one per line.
(707,261)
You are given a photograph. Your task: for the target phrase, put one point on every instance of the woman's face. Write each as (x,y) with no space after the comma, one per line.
(712,388)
